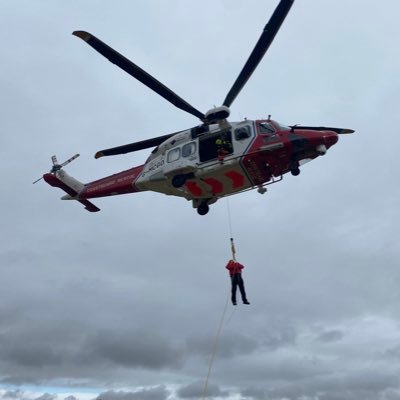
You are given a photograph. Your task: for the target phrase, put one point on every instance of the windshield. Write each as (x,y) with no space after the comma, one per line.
(283,127)
(266,128)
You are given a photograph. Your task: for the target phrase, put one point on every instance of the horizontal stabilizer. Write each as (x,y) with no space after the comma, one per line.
(89,205)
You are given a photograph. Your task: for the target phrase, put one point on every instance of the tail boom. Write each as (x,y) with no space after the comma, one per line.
(120,183)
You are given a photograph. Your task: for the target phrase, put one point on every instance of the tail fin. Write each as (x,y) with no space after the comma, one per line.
(59,178)
(71,186)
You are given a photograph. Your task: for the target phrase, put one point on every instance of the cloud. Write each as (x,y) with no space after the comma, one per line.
(27,354)
(136,349)
(330,336)
(276,338)
(195,390)
(12,394)
(366,384)
(230,345)
(47,396)
(130,298)
(154,393)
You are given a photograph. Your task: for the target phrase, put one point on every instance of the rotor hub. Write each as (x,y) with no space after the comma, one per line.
(217,114)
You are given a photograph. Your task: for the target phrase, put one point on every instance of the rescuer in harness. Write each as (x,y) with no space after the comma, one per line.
(235,272)
(224,146)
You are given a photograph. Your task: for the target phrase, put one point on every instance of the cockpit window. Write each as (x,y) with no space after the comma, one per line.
(283,127)
(265,128)
(188,149)
(242,133)
(174,154)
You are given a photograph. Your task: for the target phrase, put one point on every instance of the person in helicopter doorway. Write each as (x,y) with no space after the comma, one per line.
(235,272)
(224,146)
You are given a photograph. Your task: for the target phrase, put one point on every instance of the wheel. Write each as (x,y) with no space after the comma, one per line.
(262,189)
(295,171)
(178,181)
(203,209)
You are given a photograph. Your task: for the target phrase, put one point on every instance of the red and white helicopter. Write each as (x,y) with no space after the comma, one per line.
(214,159)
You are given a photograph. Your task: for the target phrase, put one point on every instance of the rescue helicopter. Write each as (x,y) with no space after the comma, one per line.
(211,160)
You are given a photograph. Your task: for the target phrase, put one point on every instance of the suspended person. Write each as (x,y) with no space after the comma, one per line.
(235,272)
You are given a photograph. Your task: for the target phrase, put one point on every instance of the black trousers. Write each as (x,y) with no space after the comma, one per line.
(238,281)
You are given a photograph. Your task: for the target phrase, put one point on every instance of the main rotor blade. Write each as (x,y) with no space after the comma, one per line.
(138,73)
(129,148)
(261,47)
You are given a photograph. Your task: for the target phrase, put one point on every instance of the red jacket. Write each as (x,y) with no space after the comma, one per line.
(234,267)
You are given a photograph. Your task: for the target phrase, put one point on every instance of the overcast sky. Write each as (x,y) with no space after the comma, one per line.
(124,304)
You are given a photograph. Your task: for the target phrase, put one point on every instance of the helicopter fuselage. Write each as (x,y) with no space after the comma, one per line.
(189,165)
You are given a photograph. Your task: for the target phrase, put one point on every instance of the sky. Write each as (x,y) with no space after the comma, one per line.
(125,304)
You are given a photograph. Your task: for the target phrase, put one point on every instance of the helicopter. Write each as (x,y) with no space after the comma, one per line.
(209,161)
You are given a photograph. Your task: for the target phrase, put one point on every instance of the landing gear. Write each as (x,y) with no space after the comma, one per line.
(203,205)
(203,208)
(294,167)
(295,171)
(261,189)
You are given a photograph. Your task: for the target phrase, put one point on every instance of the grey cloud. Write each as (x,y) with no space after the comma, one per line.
(154,393)
(47,396)
(367,384)
(254,393)
(281,337)
(143,349)
(196,390)
(330,336)
(20,378)
(229,345)
(391,394)
(392,352)
(12,394)
(28,354)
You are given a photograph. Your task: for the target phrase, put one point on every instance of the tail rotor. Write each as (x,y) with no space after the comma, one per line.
(56,166)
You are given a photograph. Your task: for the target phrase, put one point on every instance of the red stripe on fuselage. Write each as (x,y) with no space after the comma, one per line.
(216,186)
(236,178)
(193,188)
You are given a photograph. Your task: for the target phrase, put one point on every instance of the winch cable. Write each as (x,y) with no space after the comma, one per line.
(233,249)
(215,345)
(230,227)
(221,322)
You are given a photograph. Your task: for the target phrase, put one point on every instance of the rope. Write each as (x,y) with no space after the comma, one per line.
(221,322)
(230,317)
(233,250)
(229,217)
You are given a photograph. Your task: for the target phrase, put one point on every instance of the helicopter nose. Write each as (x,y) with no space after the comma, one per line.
(330,139)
